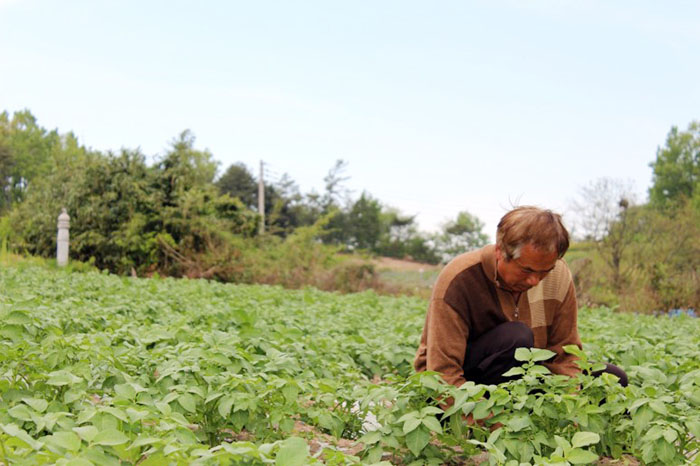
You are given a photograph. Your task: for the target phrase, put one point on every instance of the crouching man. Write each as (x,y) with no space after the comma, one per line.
(489,302)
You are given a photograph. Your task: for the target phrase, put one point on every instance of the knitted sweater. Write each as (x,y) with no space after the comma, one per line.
(467,301)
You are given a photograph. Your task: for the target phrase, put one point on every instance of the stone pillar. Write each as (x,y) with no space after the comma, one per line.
(63,239)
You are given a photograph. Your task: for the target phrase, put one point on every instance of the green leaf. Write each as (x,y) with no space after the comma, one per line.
(411,415)
(66,440)
(213,396)
(331,422)
(655,432)
(670,435)
(539,370)
(665,451)
(430,410)
(20,412)
(494,436)
(287,425)
(514,371)
(116,412)
(17,318)
(433,424)
(410,424)
(659,407)
(542,354)
(522,354)
(293,452)
(87,433)
(125,391)
(290,393)
(641,419)
(693,427)
(110,437)
(417,439)
(188,402)
(74,462)
(483,409)
(580,456)
(562,442)
(37,404)
(62,377)
(13,332)
(143,440)
(583,439)
(225,405)
(371,437)
(575,350)
(15,431)
(518,423)
(163,407)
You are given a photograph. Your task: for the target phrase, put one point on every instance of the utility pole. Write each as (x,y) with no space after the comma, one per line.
(261,200)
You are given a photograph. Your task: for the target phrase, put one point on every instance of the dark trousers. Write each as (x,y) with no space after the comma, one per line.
(493,353)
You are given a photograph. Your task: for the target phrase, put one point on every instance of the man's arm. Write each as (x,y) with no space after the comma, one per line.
(445,337)
(562,332)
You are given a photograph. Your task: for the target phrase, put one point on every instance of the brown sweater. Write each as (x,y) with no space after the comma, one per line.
(468,301)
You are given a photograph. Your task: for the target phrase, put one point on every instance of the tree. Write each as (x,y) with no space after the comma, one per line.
(677,167)
(6,165)
(607,215)
(364,223)
(26,152)
(336,193)
(461,235)
(238,181)
(183,167)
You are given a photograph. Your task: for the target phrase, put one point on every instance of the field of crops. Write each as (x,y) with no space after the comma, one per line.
(98,369)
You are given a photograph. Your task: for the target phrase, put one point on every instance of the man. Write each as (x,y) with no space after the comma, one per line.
(489,302)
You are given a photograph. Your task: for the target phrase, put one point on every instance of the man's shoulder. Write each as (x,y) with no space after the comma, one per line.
(556,284)
(461,264)
(466,260)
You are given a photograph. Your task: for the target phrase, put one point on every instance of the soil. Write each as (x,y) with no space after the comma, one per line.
(390,263)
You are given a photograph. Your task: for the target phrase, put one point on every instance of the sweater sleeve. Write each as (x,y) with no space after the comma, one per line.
(562,332)
(446,335)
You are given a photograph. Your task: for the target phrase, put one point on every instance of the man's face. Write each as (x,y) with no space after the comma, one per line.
(526,271)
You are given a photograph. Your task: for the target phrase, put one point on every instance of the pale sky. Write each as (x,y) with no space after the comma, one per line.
(436,106)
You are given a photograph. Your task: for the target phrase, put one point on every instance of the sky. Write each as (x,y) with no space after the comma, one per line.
(437,107)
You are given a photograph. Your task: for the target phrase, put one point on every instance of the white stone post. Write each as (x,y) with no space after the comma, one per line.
(63,239)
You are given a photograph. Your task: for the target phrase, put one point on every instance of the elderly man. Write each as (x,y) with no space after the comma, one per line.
(489,302)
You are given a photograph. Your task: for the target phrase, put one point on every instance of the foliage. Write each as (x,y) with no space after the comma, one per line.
(460,235)
(238,181)
(676,176)
(128,216)
(29,152)
(100,369)
(644,257)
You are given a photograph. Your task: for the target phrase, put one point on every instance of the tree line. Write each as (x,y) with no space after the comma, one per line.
(643,256)
(177,216)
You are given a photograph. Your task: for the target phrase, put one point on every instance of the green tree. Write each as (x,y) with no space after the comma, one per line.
(183,168)
(676,170)
(238,181)
(460,235)
(126,215)
(26,151)
(364,223)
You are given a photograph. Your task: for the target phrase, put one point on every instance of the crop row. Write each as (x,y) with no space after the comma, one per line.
(99,369)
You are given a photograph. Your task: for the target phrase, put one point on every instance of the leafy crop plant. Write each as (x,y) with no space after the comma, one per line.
(105,370)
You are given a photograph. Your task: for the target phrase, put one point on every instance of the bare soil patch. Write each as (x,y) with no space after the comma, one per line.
(390,263)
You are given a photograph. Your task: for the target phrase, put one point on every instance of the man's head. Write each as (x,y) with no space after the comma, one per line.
(529,241)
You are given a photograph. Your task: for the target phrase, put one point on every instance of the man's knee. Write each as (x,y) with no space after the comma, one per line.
(519,335)
(616,371)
